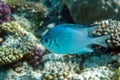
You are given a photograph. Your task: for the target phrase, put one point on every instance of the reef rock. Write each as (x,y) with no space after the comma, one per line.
(89,11)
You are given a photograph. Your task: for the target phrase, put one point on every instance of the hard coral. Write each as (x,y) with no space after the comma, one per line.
(34,56)
(58,70)
(25,23)
(9,55)
(34,11)
(26,5)
(109,27)
(13,28)
(14,3)
(4,12)
(17,44)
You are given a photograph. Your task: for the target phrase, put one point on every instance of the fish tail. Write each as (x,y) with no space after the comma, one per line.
(101,40)
(91,29)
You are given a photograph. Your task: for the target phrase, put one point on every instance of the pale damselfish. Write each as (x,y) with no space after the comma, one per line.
(71,39)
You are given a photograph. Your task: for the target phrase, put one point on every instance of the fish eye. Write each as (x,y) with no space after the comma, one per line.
(46,40)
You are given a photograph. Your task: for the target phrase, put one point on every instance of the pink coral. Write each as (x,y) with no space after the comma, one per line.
(4,12)
(34,56)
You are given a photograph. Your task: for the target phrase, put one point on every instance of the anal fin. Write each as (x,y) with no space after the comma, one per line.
(86,50)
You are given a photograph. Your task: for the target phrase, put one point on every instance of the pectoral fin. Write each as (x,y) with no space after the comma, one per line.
(89,50)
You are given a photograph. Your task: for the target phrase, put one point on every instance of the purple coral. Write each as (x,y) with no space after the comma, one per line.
(35,56)
(4,12)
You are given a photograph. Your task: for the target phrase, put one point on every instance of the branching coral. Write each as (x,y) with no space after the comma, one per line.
(58,70)
(9,55)
(18,43)
(14,28)
(111,27)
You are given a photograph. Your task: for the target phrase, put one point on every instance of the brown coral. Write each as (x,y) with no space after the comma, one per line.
(109,27)
(13,27)
(9,55)
(34,11)
(26,5)
(17,44)
(14,3)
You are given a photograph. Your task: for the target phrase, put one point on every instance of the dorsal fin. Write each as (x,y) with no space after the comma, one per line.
(87,29)
(92,28)
(77,26)
(84,28)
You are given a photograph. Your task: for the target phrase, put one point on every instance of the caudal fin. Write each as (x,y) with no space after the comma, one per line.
(91,29)
(101,40)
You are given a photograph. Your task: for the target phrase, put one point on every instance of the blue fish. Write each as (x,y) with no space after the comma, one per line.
(71,39)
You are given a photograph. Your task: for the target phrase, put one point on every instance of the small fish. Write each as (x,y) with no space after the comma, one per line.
(71,39)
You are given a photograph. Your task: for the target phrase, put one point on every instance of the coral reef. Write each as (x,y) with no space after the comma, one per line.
(56,67)
(116,75)
(19,72)
(58,70)
(9,55)
(4,12)
(2,34)
(99,73)
(13,28)
(34,56)
(34,11)
(18,43)
(25,5)
(25,23)
(14,3)
(111,27)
